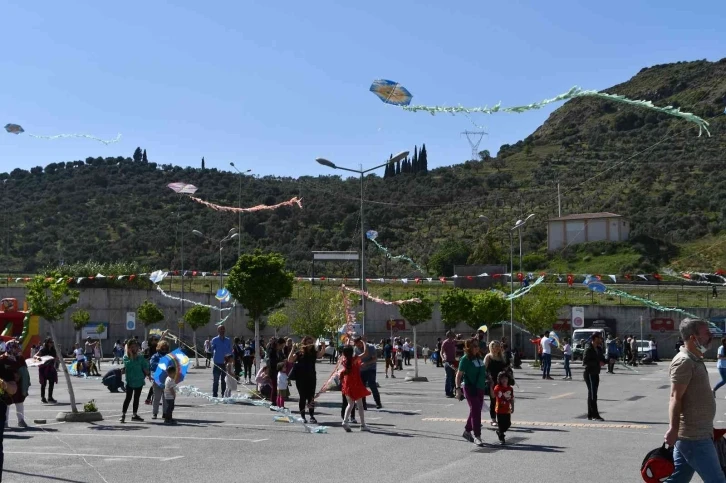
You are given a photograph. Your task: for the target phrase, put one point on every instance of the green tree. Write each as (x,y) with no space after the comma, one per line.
(278,320)
(416,313)
(197,317)
(487,308)
(448,254)
(310,312)
(137,155)
(260,283)
(498,163)
(51,300)
(80,319)
(489,251)
(455,307)
(484,156)
(539,309)
(149,314)
(144,159)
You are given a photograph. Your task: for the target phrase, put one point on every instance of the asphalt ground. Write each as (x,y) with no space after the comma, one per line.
(416,437)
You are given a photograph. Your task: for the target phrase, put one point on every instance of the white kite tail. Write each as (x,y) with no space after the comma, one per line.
(86,136)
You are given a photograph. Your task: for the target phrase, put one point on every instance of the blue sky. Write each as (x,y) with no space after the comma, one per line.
(272,85)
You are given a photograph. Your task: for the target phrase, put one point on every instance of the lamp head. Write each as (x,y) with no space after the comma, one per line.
(325,162)
(198,233)
(399,157)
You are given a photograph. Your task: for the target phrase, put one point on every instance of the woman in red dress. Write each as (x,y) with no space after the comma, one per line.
(352,385)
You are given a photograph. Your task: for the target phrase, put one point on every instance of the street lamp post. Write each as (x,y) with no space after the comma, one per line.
(239,220)
(362,172)
(517,226)
(230,236)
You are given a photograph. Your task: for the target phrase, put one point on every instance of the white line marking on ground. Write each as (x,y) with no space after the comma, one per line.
(160,458)
(563,395)
(193,438)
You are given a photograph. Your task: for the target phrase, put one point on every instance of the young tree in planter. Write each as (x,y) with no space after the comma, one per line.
(310,313)
(487,308)
(197,317)
(260,283)
(149,314)
(50,300)
(80,319)
(416,313)
(456,307)
(277,320)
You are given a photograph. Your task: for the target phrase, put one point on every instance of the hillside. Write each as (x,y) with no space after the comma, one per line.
(607,157)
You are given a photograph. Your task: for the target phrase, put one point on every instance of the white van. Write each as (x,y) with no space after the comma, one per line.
(580,338)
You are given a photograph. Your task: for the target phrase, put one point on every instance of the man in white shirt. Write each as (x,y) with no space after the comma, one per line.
(407,353)
(546,342)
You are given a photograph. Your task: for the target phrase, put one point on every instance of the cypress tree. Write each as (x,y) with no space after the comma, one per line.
(144,159)
(424,160)
(415,162)
(137,155)
(202,163)
(398,168)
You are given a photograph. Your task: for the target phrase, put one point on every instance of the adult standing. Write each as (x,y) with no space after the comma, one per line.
(207,352)
(388,355)
(14,362)
(274,357)
(448,354)
(48,372)
(721,365)
(472,372)
(633,351)
(546,342)
(406,348)
(162,349)
(368,361)
(305,374)
(88,349)
(691,409)
(612,353)
(593,359)
(238,352)
(137,369)
(438,353)
(9,387)
(118,352)
(494,363)
(221,346)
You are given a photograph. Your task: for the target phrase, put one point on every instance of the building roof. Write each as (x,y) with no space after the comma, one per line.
(586,216)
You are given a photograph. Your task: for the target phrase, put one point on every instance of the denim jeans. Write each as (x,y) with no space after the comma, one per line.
(697,456)
(450,373)
(568,371)
(546,364)
(723,379)
(217,373)
(369,379)
(475,398)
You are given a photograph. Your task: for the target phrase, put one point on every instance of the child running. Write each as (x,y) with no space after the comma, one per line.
(282,387)
(352,385)
(504,394)
(229,378)
(170,395)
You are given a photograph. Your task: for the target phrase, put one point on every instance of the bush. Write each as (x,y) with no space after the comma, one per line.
(534,261)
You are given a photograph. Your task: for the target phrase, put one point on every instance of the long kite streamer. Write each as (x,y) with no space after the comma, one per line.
(232,209)
(371,235)
(571,94)
(649,303)
(523,290)
(378,300)
(179,299)
(18,129)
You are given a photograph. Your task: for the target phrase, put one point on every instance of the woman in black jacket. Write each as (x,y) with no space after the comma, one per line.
(593,359)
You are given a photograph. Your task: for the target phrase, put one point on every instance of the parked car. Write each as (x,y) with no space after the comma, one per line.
(645,348)
(580,338)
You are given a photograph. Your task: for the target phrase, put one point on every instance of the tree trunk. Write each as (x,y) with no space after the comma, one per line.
(78,337)
(194,342)
(415,354)
(67,375)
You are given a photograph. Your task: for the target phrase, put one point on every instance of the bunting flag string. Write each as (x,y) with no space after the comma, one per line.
(571,94)
(233,209)
(696,277)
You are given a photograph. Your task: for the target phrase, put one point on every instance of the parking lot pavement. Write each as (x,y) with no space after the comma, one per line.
(416,435)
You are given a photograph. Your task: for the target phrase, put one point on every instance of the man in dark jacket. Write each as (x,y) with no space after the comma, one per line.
(593,359)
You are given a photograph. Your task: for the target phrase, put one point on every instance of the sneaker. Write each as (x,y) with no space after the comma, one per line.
(52,401)
(393,376)
(353,421)
(494,423)
(363,427)
(136,417)
(22,424)
(467,436)
(477,441)
(154,416)
(43,400)
(305,421)
(346,426)
(386,376)
(147,402)
(313,420)
(122,419)
(379,406)
(500,435)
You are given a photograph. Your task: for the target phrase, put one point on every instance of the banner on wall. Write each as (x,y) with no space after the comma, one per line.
(91,330)
(130,320)
(578,317)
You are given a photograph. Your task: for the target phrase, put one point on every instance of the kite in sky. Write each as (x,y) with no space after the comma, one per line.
(391,92)
(18,129)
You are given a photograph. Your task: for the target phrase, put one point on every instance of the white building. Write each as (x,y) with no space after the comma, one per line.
(586,227)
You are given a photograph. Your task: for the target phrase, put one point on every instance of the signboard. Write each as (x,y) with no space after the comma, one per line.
(396,325)
(662,324)
(578,317)
(562,325)
(130,320)
(91,331)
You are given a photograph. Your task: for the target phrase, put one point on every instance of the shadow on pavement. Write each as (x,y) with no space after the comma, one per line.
(52,478)
(17,436)
(117,427)
(515,444)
